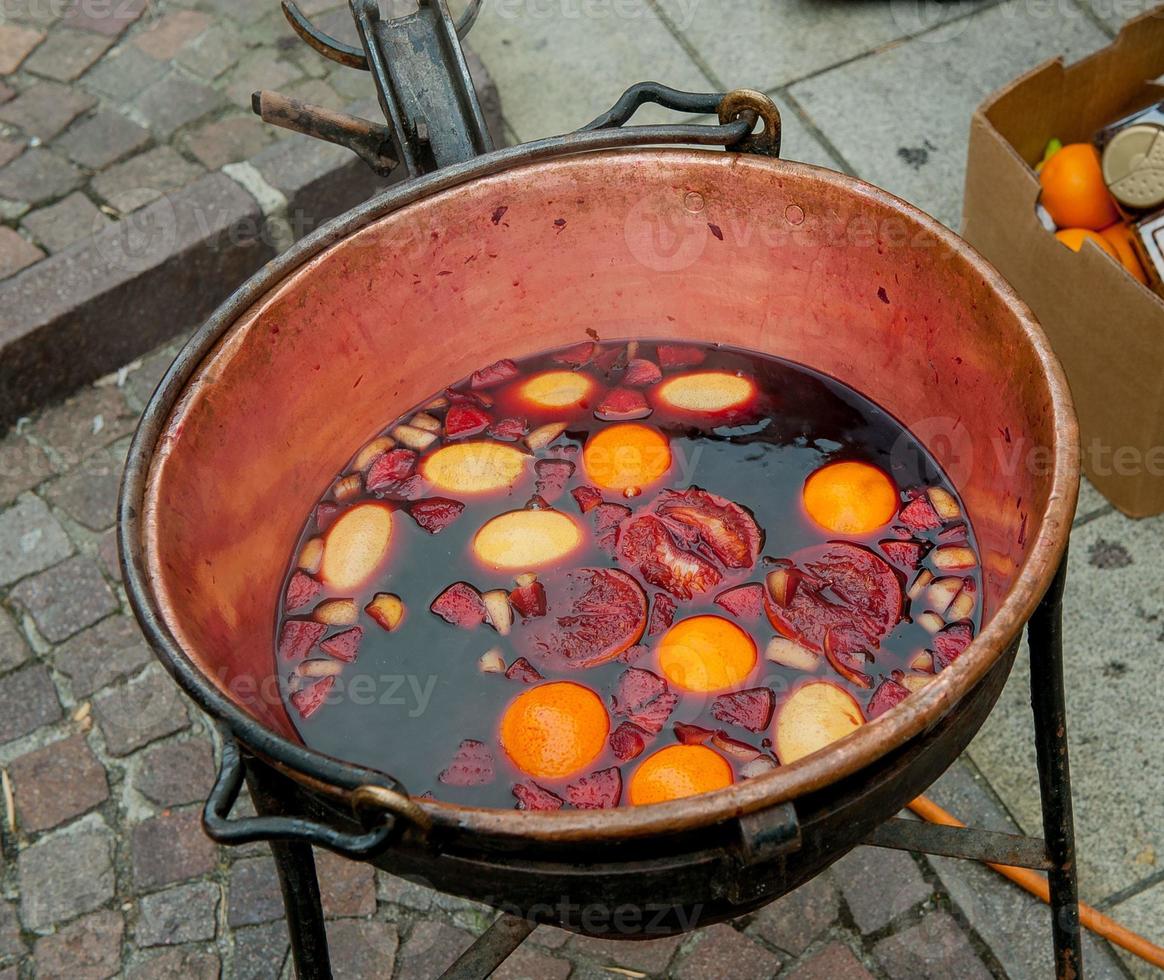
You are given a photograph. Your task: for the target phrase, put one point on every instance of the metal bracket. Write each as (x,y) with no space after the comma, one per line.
(968,843)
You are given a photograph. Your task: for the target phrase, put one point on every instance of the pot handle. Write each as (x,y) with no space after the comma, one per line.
(397,812)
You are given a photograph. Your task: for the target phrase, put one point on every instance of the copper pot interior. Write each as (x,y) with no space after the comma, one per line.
(781,258)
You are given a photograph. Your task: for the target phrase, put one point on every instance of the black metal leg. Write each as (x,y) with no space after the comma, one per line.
(491,949)
(1045,638)
(300,887)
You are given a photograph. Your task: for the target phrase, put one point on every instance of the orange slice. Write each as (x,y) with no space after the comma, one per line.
(706,653)
(706,391)
(355,546)
(678,771)
(554,730)
(474,467)
(526,539)
(813,716)
(626,455)
(557,389)
(850,498)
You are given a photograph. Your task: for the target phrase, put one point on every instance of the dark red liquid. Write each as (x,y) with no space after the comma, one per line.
(413,694)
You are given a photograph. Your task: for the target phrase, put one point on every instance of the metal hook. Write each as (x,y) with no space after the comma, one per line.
(743,100)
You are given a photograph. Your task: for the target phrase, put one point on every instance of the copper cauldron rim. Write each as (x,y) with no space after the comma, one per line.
(335,778)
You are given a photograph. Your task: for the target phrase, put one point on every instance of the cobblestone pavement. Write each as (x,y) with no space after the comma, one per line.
(105,869)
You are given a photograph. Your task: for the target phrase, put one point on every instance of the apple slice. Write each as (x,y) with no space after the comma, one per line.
(557,389)
(963,605)
(954,557)
(543,435)
(706,392)
(930,621)
(789,653)
(347,487)
(367,456)
(386,609)
(521,539)
(782,584)
(942,592)
(474,467)
(355,546)
(944,503)
(758,766)
(814,715)
(311,555)
(498,612)
(922,661)
(915,682)
(414,437)
(336,612)
(422,420)
(920,583)
(491,662)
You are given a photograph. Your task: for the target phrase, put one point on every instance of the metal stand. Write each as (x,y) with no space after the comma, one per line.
(1055,853)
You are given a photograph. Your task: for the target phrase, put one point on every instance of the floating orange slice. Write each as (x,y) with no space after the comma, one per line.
(706,391)
(850,498)
(626,455)
(526,539)
(813,716)
(706,653)
(355,546)
(474,467)
(554,730)
(678,771)
(557,389)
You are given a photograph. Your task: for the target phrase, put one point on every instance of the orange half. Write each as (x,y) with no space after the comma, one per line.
(626,455)
(554,730)
(678,771)
(850,498)
(706,653)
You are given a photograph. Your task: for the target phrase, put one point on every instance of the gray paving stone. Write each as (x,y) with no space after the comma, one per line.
(173,773)
(88,493)
(16,252)
(101,655)
(832,962)
(169,33)
(170,848)
(212,53)
(102,139)
(1115,13)
(66,873)
(722,953)
(146,708)
(144,178)
(56,783)
(88,949)
(60,225)
(22,466)
(184,914)
(649,956)
(45,108)
(901,117)
(38,175)
(174,101)
(401,891)
(187,962)
(83,424)
(253,895)
(11,942)
(65,599)
(13,647)
(15,44)
(933,949)
(259,952)
(124,74)
(528,963)
(1142,914)
(793,922)
(227,140)
(27,701)
(348,887)
(430,948)
(67,54)
(1113,630)
(879,885)
(362,949)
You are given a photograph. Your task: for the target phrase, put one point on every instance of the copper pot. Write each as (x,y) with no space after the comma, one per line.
(526,249)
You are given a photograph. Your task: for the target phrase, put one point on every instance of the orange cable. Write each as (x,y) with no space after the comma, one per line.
(1036,884)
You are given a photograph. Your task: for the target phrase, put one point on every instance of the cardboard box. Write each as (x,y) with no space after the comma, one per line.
(1107,329)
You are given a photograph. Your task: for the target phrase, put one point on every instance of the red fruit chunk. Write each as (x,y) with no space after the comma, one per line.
(310,699)
(950,643)
(298,636)
(621,404)
(636,687)
(640,373)
(522,670)
(300,590)
(529,600)
(599,791)
(955,534)
(587,498)
(740,751)
(435,513)
(465,420)
(390,468)
(751,709)
(645,544)
(744,601)
(494,374)
(907,554)
(919,515)
(607,518)
(553,474)
(691,734)
(652,717)
(679,356)
(888,694)
(726,528)
(627,741)
(460,604)
(478,398)
(531,796)
(662,613)
(611,358)
(471,766)
(633,654)
(846,662)
(325,513)
(344,646)
(594,614)
(510,429)
(577,355)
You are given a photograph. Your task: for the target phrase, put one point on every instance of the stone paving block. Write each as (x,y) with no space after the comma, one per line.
(45,108)
(27,701)
(31,539)
(13,648)
(107,554)
(259,69)
(144,178)
(11,942)
(56,783)
(102,139)
(172,773)
(1141,913)
(88,949)
(170,848)
(259,952)
(212,53)
(430,949)
(401,891)
(83,424)
(16,43)
(184,914)
(933,949)
(527,963)
(833,962)
(174,101)
(646,956)
(1115,13)
(719,952)
(101,655)
(60,225)
(1113,625)
(124,74)
(227,140)
(65,599)
(878,885)
(793,922)
(187,962)
(253,895)
(38,175)
(362,950)
(348,887)
(170,33)
(901,116)
(22,466)
(66,873)
(66,54)
(110,17)
(10,149)
(16,252)
(88,493)
(146,708)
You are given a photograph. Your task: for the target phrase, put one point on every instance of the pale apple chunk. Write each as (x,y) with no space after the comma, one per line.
(371,452)
(921,583)
(915,682)
(941,593)
(558,389)
(526,539)
(706,391)
(543,435)
(931,621)
(953,557)
(962,607)
(944,503)
(422,420)
(922,661)
(311,555)
(348,487)
(355,546)
(336,612)
(814,715)
(414,437)
(474,467)
(491,662)
(498,612)
(789,653)
(386,609)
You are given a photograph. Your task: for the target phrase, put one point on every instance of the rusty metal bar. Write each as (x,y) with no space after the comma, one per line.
(967,843)
(490,949)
